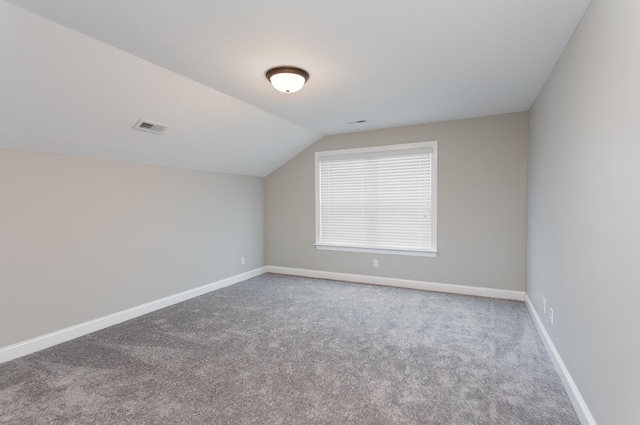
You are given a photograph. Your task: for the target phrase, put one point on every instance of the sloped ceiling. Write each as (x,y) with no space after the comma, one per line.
(76,76)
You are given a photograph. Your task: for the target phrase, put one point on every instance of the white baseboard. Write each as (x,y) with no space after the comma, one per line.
(45,341)
(567,381)
(402,283)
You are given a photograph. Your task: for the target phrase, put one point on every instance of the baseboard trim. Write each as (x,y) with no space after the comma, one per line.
(45,341)
(402,283)
(570,387)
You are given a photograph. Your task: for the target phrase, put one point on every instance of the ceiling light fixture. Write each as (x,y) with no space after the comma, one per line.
(287,79)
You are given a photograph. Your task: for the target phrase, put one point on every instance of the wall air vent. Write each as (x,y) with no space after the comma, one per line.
(150,126)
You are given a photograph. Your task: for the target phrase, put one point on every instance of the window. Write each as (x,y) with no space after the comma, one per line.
(380,199)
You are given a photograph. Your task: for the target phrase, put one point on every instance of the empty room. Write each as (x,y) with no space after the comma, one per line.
(337,212)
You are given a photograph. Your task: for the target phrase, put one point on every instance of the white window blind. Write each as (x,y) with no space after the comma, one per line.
(379,199)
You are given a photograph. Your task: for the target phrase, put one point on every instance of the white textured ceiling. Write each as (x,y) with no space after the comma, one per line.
(390,63)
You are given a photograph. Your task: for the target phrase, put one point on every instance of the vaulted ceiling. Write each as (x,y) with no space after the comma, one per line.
(76,76)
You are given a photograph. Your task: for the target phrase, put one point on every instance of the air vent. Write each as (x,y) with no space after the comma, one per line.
(357,122)
(150,126)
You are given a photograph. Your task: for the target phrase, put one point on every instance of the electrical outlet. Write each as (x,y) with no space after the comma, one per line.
(550,315)
(241,260)
(375,263)
(544,305)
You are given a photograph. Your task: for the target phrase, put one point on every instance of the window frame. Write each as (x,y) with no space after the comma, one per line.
(433,145)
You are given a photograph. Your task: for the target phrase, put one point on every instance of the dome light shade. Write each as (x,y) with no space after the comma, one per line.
(287,79)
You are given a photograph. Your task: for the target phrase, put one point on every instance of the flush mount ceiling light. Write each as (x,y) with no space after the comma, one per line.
(287,79)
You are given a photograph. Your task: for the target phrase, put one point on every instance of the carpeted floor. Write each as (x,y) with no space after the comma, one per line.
(286,350)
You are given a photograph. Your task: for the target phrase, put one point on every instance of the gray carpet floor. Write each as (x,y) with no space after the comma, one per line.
(287,350)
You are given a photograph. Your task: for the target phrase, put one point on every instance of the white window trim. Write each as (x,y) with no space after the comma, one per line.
(434,201)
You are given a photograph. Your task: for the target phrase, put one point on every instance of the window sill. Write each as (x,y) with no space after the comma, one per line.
(377,250)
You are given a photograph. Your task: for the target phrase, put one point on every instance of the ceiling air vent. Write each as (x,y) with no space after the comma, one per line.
(150,126)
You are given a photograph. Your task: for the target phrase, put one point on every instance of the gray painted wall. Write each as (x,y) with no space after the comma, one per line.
(584,209)
(83,238)
(482,186)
